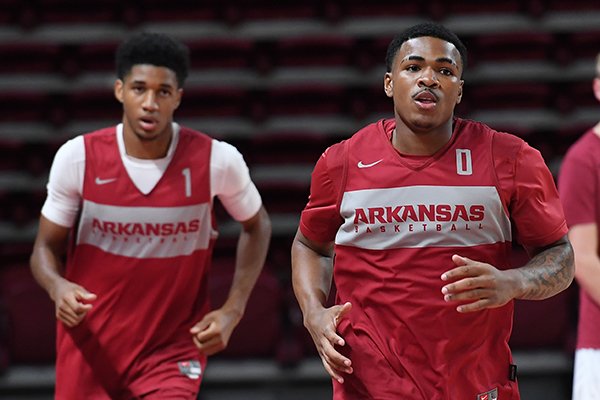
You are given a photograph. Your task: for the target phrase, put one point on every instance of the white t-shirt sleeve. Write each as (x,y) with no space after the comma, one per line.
(65,183)
(230,182)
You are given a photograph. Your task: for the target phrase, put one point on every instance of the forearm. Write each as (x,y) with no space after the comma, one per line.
(46,268)
(588,274)
(48,251)
(547,273)
(312,273)
(251,253)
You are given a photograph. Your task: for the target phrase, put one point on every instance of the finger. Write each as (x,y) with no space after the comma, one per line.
(67,319)
(65,309)
(332,371)
(342,311)
(463,271)
(464,285)
(475,306)
(460,260)
(83,294)
(213,349)
(335,358)
(208,333)
(210,347)
(202,325)
(334,338)
(82,308)
(469,295)
(70,301)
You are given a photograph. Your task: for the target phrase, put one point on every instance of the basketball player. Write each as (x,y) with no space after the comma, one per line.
(131,206)
(579,185)
(419,211)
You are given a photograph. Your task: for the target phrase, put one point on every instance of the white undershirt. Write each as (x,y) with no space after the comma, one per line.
(229,178)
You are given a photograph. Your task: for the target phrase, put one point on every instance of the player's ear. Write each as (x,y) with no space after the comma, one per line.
(460,92)
(596,87)
(388,84)
(179,95)
(119,90)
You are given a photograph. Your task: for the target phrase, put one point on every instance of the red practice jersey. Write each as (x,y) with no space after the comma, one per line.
(579,186)
(146,258)
(396,222)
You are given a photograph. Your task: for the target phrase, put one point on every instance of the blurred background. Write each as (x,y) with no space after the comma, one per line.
(280,80)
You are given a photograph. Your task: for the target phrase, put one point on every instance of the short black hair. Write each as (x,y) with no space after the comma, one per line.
(425,29)
(155,49)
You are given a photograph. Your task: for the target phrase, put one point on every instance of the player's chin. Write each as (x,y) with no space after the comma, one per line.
(147,136)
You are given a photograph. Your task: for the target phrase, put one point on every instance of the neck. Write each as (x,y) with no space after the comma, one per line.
(597,129)
(144,148)
(428,143)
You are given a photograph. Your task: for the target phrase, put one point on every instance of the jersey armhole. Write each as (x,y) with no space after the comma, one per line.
(343,176)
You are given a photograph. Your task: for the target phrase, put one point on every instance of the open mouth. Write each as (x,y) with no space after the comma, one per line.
(425,99)
(148,123)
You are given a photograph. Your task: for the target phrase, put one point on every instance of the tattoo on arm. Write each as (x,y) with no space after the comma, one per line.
(548,272)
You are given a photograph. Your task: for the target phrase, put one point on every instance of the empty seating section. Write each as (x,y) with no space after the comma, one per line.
(314,51)
(29,328)
(512,46)
(294,94)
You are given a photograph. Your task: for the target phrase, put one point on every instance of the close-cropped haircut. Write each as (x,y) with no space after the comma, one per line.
(421,30)
(155,49)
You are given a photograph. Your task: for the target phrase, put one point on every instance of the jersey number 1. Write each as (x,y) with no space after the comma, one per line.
(187,175)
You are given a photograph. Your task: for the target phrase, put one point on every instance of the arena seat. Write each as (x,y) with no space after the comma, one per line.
(313,51)
(284,197)
(511,46)
(583,45)
(306,99)
(239,11)
(25,106)
(31,326)
(93,104)
(96,57)
(361,9)
(510,95)
(214,102)
(29,57)
(259,331)
(473,7)
(72,11)
(287,147)
(544,324)
(221,53)
(571,5)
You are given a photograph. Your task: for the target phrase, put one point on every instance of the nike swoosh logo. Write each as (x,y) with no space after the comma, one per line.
(361,165)
(104,181)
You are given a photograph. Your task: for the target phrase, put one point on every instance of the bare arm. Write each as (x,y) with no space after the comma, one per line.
(584,239)
(46,265)
(212,333)
(480,285)
(312,270)
(549,272)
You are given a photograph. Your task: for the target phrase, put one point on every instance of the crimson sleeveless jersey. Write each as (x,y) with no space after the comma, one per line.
(399,222)
(146,258)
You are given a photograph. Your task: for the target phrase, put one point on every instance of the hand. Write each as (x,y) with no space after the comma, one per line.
(212,333)
(71,302)
(322,326)
(478,285)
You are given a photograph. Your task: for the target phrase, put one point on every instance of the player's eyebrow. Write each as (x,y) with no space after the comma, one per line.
(439,59)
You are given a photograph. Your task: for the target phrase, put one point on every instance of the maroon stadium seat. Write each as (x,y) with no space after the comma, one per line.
(546,323)
(314,51)
(31,325)
(259,332)
(511,46)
